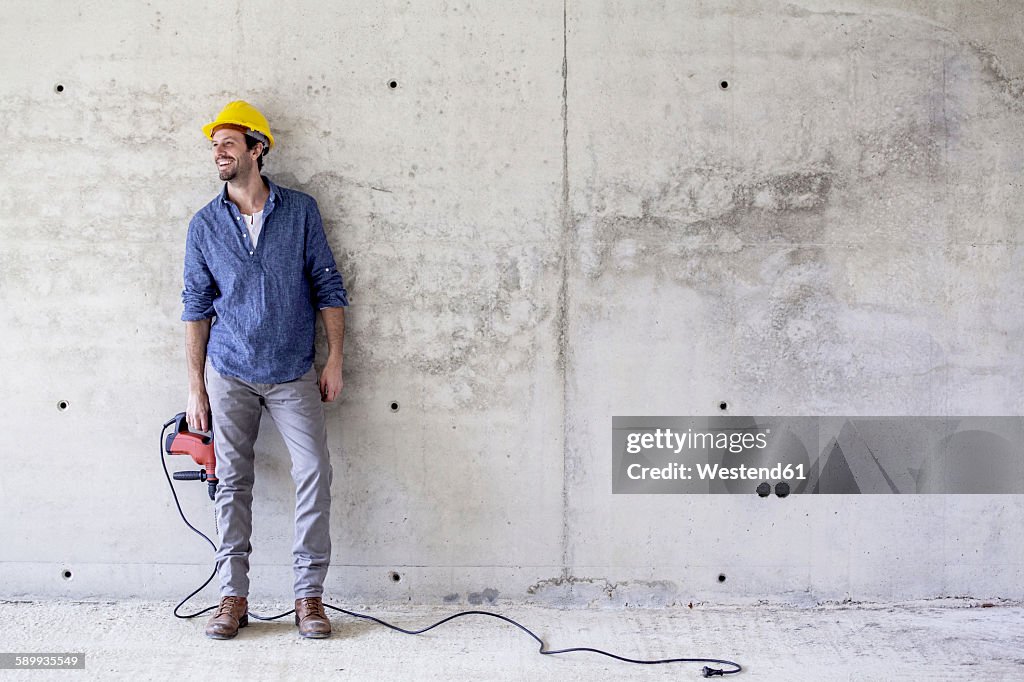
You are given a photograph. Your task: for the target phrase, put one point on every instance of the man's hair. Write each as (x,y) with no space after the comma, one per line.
(250,143)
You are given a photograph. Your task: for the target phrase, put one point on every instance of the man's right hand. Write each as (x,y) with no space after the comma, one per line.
(197,415)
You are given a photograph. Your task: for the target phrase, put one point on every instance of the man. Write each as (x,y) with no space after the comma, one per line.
(257,269)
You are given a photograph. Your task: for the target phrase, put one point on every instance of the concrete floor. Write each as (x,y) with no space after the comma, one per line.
(932,640)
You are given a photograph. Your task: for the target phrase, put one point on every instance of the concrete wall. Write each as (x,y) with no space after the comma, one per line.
(558,215)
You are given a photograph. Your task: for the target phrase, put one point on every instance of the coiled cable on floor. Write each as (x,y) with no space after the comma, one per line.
(705,671)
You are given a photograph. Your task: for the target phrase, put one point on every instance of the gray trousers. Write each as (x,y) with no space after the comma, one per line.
(295,407)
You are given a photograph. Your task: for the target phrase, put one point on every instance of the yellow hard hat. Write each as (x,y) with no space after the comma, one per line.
(243,114)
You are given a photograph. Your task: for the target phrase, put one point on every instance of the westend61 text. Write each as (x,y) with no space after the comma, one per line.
(711,472)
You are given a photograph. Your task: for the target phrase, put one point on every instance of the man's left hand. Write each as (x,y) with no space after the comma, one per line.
(330,381)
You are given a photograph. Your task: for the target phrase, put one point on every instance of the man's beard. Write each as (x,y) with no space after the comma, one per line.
(228,173)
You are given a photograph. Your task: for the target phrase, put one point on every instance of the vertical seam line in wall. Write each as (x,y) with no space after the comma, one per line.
(563,293)
(236,66)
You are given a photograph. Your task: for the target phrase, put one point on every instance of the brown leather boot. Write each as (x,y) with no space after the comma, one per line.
(232,614)
(311,618)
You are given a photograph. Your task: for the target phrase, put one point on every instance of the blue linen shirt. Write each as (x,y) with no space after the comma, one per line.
(263,299)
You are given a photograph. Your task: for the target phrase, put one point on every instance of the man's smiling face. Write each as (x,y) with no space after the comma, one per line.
(230,154)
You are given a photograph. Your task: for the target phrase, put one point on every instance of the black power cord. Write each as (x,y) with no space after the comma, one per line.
(705,671)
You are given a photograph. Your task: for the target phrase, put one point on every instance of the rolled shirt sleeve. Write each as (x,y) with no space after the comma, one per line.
(326,285)
(200,287)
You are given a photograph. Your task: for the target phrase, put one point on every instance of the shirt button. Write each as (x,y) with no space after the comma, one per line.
(250,253)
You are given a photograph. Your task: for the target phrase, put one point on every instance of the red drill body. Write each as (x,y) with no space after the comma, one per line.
(182,441)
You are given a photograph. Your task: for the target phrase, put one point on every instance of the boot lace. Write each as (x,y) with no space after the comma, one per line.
(313,607)
(228,604)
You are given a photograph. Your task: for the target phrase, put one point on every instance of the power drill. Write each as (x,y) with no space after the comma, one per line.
(182,441)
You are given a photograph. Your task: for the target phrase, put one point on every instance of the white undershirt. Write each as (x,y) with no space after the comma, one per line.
(254,223)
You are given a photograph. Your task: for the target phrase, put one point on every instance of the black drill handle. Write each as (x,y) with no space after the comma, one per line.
(190,475)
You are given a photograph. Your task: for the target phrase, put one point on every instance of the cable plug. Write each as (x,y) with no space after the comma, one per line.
(711,672)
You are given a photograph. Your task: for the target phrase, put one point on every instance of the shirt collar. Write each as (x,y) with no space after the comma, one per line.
(275,192)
